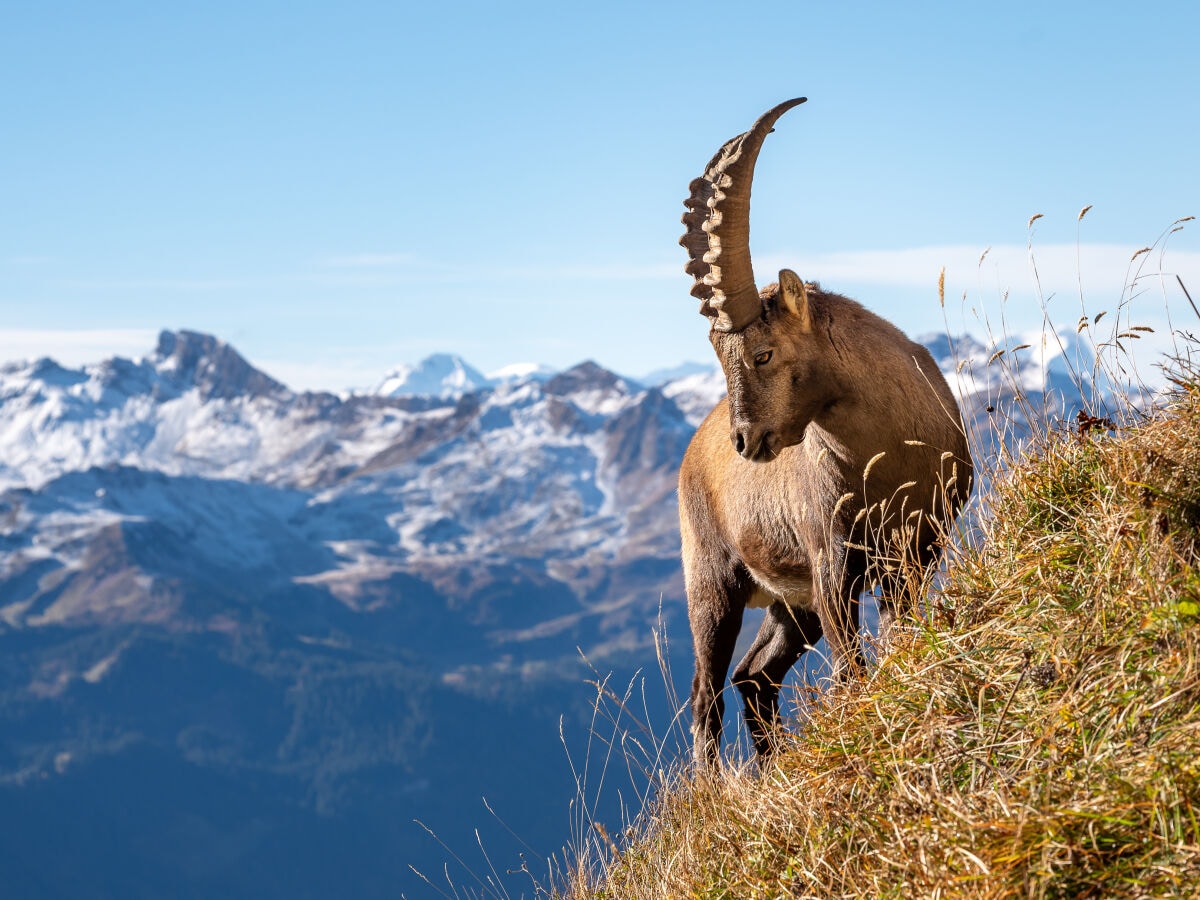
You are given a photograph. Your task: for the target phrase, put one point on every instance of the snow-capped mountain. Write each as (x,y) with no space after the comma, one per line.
(527,469)
(441,375)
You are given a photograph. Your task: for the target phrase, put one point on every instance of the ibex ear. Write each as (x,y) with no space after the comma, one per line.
(795,298)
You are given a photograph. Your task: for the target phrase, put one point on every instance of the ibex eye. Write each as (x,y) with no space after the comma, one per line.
(761,359)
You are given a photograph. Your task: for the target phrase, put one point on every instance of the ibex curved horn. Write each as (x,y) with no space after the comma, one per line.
(718,228)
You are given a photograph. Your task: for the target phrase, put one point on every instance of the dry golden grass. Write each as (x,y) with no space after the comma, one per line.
(1035,734)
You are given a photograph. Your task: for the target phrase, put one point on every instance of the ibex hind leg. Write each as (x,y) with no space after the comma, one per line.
(783,636)
(842,579)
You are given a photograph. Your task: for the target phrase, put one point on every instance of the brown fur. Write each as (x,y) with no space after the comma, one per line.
(763,515)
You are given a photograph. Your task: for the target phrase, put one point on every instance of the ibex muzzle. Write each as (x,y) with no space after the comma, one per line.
(836,463)
(751,437)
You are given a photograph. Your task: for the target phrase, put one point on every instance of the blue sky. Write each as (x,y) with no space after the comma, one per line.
(338,188)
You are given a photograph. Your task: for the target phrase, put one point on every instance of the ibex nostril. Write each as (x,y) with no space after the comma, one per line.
(739,442)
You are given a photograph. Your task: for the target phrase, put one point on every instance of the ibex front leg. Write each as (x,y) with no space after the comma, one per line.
(715,608)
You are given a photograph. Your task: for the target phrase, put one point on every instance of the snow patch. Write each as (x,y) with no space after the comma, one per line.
(440,375)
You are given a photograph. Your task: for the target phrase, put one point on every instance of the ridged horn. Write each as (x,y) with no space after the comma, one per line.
(718,228)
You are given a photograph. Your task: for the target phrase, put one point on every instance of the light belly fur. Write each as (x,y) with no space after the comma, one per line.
(794,591)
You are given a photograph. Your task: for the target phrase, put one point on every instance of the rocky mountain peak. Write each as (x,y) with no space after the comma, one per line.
(587,376)
(188,358)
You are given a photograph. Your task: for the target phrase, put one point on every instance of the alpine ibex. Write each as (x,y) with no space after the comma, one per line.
(833,466)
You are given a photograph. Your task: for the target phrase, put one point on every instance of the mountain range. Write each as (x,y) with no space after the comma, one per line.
(249,635)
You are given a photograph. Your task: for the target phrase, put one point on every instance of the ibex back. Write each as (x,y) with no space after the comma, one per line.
(835,465)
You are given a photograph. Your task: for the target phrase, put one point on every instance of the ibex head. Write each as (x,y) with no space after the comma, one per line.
(765,342)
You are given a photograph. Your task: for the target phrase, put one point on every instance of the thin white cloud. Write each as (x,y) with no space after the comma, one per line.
(75,347)
(968,268)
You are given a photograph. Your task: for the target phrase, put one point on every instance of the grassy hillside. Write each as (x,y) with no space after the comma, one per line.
(1037,734)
